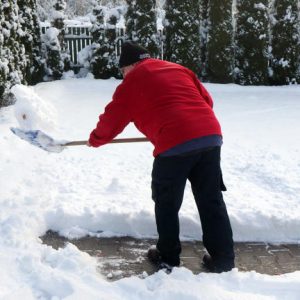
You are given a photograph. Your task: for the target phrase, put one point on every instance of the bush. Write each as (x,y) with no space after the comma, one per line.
(141,24)
(285,43)
(219,57)
(251,42)
(182,33)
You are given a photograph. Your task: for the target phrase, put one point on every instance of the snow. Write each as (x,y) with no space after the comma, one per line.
(85,55)
(260,6)
(50,38)
(31,111)
(79,22)
(106,192)
(58,15)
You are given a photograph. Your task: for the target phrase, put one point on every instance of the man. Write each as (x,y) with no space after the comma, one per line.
(170,106)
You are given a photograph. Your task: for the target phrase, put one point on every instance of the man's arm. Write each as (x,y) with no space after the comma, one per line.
(112,122)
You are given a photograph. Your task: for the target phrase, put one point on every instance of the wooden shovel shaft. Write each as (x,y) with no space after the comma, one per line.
(115,141)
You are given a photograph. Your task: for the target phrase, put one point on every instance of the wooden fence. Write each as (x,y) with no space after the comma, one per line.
(77,38)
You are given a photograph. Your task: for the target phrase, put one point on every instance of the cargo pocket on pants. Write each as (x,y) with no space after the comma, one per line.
(161,192)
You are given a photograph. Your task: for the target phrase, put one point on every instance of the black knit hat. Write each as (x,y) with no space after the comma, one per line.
(132,53)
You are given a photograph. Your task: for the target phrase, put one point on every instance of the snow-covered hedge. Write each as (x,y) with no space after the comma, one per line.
(219,44)
(285,60)
(57,59)
(243,41)
(20,45)
(104,61)
(141,24)
(251,42)
(182,33)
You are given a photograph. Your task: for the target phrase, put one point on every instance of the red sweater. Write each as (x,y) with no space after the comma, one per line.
(166,102)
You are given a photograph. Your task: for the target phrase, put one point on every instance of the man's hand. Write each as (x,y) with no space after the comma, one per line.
(88,144)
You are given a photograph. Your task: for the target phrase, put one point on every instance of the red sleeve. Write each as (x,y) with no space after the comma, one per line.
(112,122)
(203,92)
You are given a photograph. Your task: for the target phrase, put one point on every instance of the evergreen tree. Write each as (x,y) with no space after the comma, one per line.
(3,82)
(58,22)
(100,47)
(251,61)
(31,39)
(12,52)
(219,57)
(44,8)
(141,24)
(105,61)
(54,66)
(59,16)
(182,33)
(78,7)
(111,37)
(285,43)
(204,25)
(130,20)
(3,61)
(57,58)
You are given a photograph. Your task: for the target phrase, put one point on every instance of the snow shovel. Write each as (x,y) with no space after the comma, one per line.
(47,143)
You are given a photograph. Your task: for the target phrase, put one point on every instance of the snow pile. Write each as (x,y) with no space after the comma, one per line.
(31,111)
(106,192)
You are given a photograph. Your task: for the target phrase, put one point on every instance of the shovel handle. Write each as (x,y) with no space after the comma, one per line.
(115,141)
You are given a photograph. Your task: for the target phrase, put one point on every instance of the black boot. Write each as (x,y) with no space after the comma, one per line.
(156,259)
(217,265)
(154,256)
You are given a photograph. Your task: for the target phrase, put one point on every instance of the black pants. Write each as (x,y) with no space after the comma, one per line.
(169,177)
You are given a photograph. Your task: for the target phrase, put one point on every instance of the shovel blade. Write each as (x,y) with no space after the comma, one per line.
(39,139)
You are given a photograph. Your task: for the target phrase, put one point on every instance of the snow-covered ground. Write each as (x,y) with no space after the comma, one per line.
(106,191)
